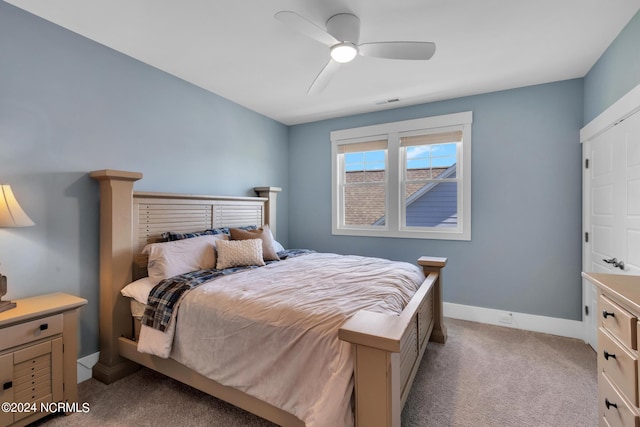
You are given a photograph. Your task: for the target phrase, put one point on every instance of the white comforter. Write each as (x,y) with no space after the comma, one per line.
(272,332)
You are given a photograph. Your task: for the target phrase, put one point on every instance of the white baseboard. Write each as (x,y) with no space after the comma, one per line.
(85,364)
(509,319)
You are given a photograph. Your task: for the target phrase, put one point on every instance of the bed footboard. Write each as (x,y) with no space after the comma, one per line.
(388,349)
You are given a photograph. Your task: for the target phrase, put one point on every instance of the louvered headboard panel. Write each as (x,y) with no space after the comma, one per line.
(156,213)
(227,214)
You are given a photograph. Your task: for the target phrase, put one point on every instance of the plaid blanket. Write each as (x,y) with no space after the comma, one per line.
(164,297)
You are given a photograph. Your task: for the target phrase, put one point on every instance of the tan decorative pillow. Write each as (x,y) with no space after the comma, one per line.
(239,253)
(264,234)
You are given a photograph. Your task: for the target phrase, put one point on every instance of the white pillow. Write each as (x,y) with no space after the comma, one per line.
(139,290)
(277,246)
(170,259)
(239,253)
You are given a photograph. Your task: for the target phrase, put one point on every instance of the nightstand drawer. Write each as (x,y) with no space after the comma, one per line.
(37,391)
(619,364)
(31,367)
(615,409)
(618,321)
(23,333)
(29,382)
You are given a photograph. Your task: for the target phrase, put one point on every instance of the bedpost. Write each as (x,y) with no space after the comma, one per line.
(388,349)
(116,258)
(271,193)
(435,265)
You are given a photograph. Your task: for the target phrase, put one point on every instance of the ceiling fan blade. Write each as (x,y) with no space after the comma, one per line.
(398,50)
(305,27)
(322,79)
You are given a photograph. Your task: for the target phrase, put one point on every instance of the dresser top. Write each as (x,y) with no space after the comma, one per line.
(38,306)
(625,288)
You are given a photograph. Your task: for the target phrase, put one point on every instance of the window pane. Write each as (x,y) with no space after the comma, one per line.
(430,202)
(432,205)
(365,160)
(364,204)
(364,183)
(431,156)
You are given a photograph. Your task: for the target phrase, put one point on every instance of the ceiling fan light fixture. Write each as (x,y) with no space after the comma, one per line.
(342,37)
(344,52)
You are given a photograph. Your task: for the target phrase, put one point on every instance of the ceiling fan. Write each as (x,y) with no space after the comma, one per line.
(342,36)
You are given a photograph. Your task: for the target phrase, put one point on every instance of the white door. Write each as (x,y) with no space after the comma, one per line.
(632,217)
(612,209)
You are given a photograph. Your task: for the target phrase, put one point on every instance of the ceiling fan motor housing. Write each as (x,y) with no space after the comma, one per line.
(345,27)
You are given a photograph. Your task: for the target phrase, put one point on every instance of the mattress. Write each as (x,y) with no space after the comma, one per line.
(272,332)
(137,310)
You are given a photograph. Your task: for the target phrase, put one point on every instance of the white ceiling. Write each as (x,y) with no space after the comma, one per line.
(236,49)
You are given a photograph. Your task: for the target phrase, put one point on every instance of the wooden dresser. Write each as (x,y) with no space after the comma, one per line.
(618,339)
(38,356)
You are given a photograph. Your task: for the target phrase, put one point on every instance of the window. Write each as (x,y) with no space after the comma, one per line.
(404,179)
(364,183)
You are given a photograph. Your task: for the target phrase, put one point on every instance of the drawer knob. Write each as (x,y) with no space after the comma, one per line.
(44,326)
(7,385)
(608,355)
(606,314)
(609,404)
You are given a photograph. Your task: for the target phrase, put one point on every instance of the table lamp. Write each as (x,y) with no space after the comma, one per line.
(11,215)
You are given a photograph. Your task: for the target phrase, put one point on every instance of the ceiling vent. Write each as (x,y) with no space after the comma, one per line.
(387,101)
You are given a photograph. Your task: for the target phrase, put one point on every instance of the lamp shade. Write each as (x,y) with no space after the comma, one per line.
(11,214)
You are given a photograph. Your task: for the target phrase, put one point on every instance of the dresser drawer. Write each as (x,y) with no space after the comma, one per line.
(619,364)
(613,407)
(23,333)
(618,321)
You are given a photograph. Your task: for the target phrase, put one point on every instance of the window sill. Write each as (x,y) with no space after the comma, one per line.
(404,234)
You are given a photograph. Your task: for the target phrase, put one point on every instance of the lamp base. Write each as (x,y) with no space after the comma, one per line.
(6,305)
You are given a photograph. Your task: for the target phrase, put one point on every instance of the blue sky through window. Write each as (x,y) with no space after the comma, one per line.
(433,155)
(418,157)
(365,161)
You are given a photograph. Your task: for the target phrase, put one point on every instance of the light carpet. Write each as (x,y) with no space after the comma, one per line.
(483,376)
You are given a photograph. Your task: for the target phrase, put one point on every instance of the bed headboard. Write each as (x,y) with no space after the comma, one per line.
(129,220)
(156,213)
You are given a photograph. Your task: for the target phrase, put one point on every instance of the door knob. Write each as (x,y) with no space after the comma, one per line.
(615,262)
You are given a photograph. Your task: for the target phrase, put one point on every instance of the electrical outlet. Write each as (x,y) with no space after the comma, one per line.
(506,318)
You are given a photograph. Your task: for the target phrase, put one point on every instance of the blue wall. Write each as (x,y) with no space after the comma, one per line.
(615,73)
(69,106)
(525,252)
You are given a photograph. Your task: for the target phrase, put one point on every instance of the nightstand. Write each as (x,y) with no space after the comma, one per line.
(38,355)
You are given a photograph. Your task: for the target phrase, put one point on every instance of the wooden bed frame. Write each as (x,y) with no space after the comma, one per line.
(388,349)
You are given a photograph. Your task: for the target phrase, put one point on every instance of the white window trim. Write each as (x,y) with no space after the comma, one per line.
(391,131)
